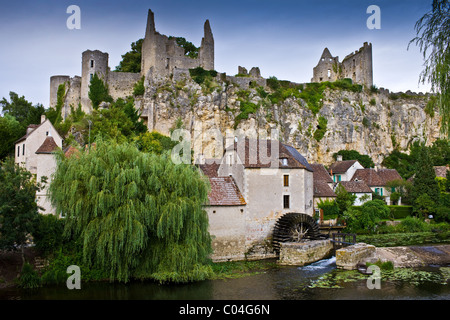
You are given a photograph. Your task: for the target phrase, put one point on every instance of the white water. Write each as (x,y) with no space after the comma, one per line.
(320,265)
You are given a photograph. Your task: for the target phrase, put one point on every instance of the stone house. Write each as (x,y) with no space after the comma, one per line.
(323,184)
(252,185)
(34,151)
(344,170)
(359,188)
(377,180)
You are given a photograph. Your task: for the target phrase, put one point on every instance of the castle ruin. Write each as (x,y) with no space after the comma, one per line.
(356,66)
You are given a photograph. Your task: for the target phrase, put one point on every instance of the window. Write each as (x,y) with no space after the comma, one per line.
(329,73)
(91,76)
(23,149)
(18,151)
(286,180)
(284,161)
(46,133)
(92,63)
(339,177)
(286,201)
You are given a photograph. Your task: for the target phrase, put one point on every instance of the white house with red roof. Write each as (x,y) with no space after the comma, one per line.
(35,152)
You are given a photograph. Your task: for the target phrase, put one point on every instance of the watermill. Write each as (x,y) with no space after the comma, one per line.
(295,227)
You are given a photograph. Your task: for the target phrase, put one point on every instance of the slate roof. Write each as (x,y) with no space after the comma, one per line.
(341,166)
(249,152)
(369,176)
(356,186)
(48,146)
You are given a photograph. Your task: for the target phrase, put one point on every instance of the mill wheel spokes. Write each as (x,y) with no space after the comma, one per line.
(299,232)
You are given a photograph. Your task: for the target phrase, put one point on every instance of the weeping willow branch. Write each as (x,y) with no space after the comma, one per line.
(138,214)
(433,40)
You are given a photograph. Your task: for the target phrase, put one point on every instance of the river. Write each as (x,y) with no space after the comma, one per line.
(318,281)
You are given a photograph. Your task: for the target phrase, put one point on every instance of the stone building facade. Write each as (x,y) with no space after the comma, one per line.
(356,66)
(250,192)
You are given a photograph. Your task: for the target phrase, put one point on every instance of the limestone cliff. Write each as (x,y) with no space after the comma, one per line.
(370,122)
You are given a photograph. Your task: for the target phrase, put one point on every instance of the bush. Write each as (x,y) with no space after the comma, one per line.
(367,217)
(442,214)
(139,88)
(414,224)
(199,74)
(321,129)
(47,236)
(29,278)
(400,212)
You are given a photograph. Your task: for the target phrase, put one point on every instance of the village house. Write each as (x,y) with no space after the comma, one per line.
(323,184)
(358,188)
(344,170)
(252,185)
(35,152)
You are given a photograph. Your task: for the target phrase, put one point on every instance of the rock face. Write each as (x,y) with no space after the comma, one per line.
(349,257)
(370,123)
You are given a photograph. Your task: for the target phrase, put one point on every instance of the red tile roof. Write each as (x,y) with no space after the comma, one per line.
(224,192)
(48,146)
(320,173)
(369,176)
(388,175)
(322,189)
(441,171)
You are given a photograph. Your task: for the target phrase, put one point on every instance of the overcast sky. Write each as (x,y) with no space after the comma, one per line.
(284,38)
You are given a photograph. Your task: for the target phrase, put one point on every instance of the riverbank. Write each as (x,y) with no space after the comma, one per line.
(11,264)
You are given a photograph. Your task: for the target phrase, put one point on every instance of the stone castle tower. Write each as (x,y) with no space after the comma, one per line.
(356,66)
(162,54)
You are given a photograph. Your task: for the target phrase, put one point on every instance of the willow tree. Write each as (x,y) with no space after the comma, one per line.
(138,214)
(433,39)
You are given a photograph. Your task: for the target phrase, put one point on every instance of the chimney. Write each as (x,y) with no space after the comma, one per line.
(339,157)
(43,118)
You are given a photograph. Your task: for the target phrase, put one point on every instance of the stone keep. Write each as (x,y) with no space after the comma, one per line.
(356,66)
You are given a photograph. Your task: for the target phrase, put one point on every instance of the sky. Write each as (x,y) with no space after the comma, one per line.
(284,38)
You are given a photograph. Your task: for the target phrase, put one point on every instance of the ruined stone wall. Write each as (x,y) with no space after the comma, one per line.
(358,66)
(121,84)
(92,62)
(55,82)
(327,69)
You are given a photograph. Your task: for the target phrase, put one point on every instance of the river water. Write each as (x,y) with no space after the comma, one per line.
(283,283)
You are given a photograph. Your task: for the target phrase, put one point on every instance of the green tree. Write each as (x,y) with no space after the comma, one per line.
(131,61)
(190,49)
(433,34)
(98,92)
(22,110)
(344,199)
(367,217)
(10,131)
(137,214)
(425,177)
(363,159)
(18,208)
(154,142)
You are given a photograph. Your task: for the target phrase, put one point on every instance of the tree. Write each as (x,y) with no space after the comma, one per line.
(425,177)
(98,92)
(131,61)
(22,110)
(137,214)
(363,159)
(154,142)
(344,199)
(10,131)
(433,39)
(367,217)
(18,208)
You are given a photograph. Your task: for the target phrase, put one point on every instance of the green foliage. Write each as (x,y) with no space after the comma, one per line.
(200,75)
(18,208)
(363,159)
(330,209)
(29,278)
(120,121)
(373,102)
(246,108)
(137,214)
(424,205)
(431,106)
(98,92)
(414,224)
(344,199)
(190,49)
(432,38)
(367,217)
(10,131)
(131,61)
(47,235)
(321,128)
(54,114)
(154,142)
(21,109)
(400,212)
(139,89)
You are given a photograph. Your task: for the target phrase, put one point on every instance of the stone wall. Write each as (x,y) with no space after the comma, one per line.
(121,84)
(302,253)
